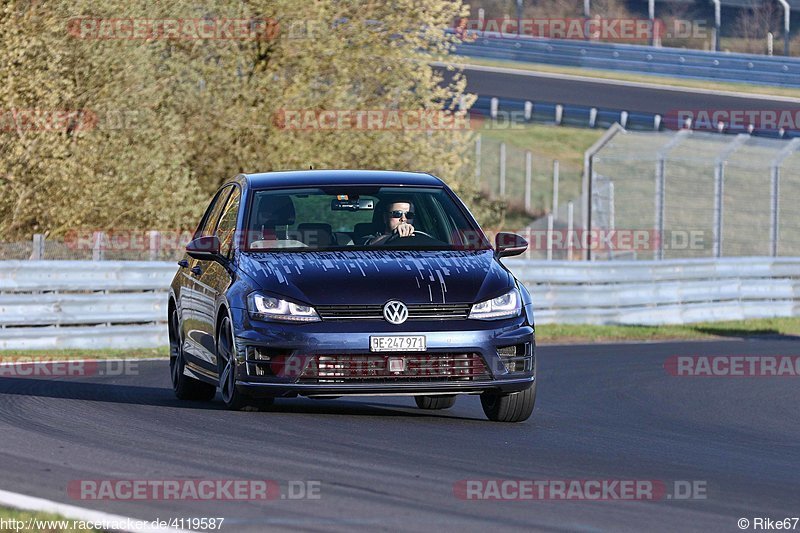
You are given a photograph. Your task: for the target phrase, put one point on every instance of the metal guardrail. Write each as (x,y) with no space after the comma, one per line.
(83,304)
(684,63)
(661,292)
(112,304)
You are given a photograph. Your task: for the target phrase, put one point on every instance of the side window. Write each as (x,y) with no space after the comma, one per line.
(226,228)
(212,213)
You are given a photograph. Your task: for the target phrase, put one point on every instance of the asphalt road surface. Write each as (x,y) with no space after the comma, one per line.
(610,95)
(604,412)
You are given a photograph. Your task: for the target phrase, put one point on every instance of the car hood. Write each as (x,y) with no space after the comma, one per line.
(371,277)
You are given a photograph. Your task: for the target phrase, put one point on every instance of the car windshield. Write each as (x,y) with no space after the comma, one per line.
(347,218)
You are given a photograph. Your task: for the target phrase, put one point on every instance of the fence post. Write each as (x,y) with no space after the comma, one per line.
(658,252)
(550,237)
(98,246)
(502,169)
(37,253)
(719,189)
(770,44)
(586,187)
(774,225)
(773,208)
(528,180)
(570,228)
(155,244)
(555,188)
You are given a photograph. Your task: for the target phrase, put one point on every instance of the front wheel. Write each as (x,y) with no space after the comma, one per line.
(509,407)
(435,402)
(232,397)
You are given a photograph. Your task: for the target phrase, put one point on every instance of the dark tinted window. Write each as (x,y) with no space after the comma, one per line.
(348,217)
(226,228)
(213,212)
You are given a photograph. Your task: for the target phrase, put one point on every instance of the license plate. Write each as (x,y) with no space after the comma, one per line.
(398,343)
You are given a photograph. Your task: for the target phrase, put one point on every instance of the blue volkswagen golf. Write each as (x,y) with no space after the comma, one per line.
(337,283)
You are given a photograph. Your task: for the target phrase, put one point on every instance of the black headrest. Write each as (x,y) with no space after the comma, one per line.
(275,211)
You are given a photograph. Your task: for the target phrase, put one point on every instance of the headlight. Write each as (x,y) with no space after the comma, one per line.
(267,308)
(505,306)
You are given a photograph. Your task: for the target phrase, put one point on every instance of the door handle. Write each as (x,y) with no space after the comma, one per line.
(197,270)
(183,263)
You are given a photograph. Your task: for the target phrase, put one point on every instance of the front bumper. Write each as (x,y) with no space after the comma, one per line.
(351,338)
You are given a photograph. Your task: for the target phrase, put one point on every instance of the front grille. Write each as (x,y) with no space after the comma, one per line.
(376,368)
(375,312)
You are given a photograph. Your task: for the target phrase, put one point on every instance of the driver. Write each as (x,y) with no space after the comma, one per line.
(397,219)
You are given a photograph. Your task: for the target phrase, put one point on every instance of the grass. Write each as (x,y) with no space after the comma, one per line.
(639,77)
(58,355)
(767,327)
(41,522)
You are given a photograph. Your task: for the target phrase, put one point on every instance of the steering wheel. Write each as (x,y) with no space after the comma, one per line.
(394,236)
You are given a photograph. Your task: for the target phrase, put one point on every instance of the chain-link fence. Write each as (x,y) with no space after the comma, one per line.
(690,194)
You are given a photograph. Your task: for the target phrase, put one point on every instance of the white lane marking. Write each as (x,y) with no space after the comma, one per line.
(29,503)
(605,81)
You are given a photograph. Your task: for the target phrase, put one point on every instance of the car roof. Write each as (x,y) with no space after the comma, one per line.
(302,178)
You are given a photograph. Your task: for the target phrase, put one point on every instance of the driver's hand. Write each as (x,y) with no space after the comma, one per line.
(405,229)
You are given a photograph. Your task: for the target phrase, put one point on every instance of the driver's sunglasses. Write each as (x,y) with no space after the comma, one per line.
(397,214)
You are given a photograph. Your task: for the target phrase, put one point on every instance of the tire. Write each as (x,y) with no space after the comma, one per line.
(510,407)
(185,387)
(435,402)
(232,397)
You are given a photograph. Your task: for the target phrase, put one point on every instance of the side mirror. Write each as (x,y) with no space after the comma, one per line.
(509,244)
(205,248)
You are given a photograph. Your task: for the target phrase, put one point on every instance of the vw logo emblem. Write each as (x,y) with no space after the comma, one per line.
(395,312)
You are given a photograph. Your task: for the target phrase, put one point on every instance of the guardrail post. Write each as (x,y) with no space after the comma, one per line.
(657,123)
(559,114)
(502,169)
(528,109)
(528,180)
(37,254)
(623,119)
(478,160)
(98,246)
(493,108)
(592,117)
(555,188)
